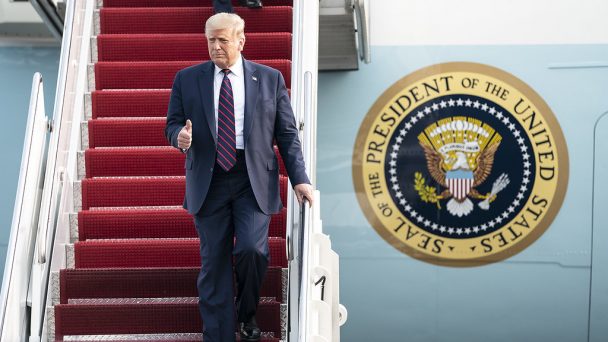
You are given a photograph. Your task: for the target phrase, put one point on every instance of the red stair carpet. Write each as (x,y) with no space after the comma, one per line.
(136,259)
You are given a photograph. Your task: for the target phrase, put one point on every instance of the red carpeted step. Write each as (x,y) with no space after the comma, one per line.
(184,3)
(140,161)
(127,103)
(148,318)
(145,283)
(154,253)
(134,161)
(189,19)
(135,224)
(158,75)
(190,47)
(133,191)
(142,191)
(150,223)
(113,132)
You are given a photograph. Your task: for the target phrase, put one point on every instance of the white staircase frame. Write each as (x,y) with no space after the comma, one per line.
(69,143)
(321,313)
(312,317)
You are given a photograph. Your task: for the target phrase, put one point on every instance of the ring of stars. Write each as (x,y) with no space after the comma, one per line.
(460,102)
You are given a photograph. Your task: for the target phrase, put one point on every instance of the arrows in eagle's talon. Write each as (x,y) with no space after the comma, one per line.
(499,184)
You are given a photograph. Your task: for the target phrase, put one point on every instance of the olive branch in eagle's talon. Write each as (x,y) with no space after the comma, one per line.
(426,192)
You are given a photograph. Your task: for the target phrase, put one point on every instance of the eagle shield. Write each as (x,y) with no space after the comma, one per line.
(459,183)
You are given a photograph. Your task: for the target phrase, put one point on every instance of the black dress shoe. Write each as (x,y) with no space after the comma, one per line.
(251,3)
(250,331)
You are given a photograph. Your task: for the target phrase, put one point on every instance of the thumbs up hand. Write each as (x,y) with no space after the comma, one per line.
(184,138)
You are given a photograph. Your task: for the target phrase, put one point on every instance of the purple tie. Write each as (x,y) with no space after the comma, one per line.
(226,136)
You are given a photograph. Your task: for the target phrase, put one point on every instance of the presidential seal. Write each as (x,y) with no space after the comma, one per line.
(460,164)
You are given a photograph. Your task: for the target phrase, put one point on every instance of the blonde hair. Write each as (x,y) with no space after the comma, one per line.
(226,21)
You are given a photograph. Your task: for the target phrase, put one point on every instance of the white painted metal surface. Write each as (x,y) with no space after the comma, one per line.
(323,314)
(303,98)
(479,22)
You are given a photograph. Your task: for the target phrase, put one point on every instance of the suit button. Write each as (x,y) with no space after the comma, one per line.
(211,169)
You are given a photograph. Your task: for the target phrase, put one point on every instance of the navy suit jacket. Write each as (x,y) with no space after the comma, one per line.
(268,117)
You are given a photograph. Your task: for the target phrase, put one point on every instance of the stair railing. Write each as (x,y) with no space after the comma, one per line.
(296,241)
(25,319)
(52,193)
(20,252)
(79,23)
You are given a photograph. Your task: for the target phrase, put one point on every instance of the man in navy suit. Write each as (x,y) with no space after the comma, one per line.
(225,114)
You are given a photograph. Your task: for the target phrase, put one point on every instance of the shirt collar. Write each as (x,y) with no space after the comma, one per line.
(236,69)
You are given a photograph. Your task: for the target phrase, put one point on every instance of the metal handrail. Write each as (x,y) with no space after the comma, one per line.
(20,249)
(304,226)
(308,117)
(304,238)
(297,289)
(362,17)
(55,130)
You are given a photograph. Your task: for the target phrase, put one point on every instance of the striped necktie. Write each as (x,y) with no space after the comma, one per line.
(226,136)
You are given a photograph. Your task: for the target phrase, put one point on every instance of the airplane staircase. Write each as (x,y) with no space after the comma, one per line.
(117,255)
(135,257)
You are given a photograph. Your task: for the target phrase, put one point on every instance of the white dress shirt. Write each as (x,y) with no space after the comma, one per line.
(237,81)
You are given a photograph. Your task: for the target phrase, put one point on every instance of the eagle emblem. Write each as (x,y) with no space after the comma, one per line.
(459,154)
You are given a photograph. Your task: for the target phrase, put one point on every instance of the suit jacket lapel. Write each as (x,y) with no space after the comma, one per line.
(251,96)
(205,84)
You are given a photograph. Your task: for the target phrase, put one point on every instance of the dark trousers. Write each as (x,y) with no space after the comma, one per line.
(230,224)
(222,6)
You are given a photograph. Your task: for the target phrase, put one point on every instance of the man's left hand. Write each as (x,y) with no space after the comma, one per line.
(304,191)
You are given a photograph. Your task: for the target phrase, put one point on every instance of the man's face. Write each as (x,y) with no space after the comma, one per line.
(224,47)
